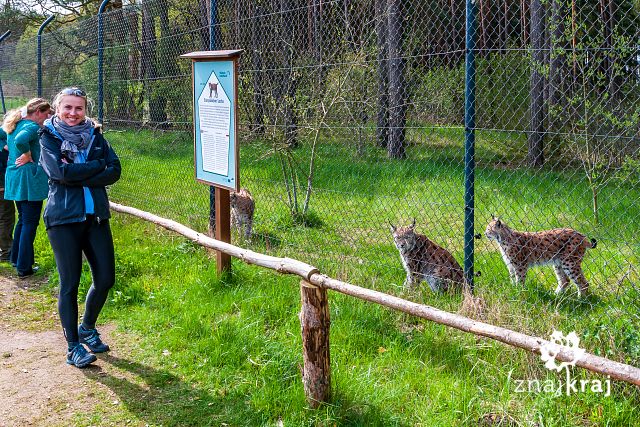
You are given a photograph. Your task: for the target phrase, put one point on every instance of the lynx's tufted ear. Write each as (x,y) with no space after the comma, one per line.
(393,227)
(413,224)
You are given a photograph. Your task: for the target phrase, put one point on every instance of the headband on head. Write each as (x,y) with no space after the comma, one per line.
(23,112)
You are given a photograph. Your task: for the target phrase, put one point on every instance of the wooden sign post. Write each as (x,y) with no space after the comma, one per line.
(215,96)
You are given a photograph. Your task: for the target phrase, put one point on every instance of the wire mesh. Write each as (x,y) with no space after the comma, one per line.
(352,119)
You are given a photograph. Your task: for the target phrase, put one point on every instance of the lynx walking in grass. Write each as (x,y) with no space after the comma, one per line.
(563,248)
(424,260)
(242,208)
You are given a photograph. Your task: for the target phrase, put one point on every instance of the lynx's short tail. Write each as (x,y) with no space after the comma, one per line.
(594,243)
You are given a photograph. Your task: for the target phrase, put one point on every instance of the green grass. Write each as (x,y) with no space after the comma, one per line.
(203,351)
(206,351)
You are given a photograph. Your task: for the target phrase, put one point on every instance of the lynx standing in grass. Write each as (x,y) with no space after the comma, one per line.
(424,260)
(563,248)
(242,207)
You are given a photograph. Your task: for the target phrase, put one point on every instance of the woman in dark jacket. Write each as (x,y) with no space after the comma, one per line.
(79,163)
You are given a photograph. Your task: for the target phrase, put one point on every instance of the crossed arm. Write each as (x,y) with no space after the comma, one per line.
(23,144)
(93,173)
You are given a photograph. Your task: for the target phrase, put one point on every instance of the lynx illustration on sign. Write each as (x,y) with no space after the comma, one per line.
(214,110)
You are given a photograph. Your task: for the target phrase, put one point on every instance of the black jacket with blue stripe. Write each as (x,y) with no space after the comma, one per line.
(66,179)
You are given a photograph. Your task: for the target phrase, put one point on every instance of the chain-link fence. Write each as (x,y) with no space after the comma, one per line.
(352,117)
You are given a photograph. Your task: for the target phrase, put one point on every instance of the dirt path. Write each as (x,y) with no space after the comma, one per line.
(37,387)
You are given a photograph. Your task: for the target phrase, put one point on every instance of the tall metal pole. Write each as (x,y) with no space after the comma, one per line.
(40,30)
(4,108)
(212,46)
(100,60)
(213,12)
(469,140)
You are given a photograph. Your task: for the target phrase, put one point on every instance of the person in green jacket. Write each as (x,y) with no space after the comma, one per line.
(26,183)
(7,210)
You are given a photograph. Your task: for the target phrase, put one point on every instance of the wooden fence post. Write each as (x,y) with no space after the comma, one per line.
(223,228)
(314,323)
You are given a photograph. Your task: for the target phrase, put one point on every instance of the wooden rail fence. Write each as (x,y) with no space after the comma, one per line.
(315,322)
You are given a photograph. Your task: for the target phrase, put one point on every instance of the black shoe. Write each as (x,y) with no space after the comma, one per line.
(80,357)
(91,338)
(28,273)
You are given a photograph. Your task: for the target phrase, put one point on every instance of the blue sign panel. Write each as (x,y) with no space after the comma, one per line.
(214,120)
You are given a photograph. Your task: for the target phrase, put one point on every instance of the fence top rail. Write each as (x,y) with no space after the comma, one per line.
(601,365)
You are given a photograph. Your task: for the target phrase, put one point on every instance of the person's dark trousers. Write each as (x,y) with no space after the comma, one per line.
(7,222)
(68,242)
(24,235)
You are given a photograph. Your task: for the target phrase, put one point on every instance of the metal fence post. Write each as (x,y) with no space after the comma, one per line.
(4,109)
(213,14)
(100,60)
(469,140)
(40,30)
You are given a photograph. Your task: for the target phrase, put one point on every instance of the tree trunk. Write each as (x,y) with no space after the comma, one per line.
(204,10)
(608,18)
(524,24)
(481,43)
(237,9)
(134,106)
(557,62)
(316,31)
(321,43)
(346,9)
(288,85)
(382,117)
(157,102)
(257,44)
(504,27)
(168,51)
(536,110)
(574,36)
(115,94)
(457,21)
(147,45)
(546,43)
(397,86)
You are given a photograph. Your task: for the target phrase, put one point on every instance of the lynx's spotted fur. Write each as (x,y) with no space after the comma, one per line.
(563,248)
(242,208)
(424,260)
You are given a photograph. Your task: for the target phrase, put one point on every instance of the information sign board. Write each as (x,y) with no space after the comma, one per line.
(214,116)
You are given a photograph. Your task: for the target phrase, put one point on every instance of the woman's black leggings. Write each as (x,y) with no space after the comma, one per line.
(69,241)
